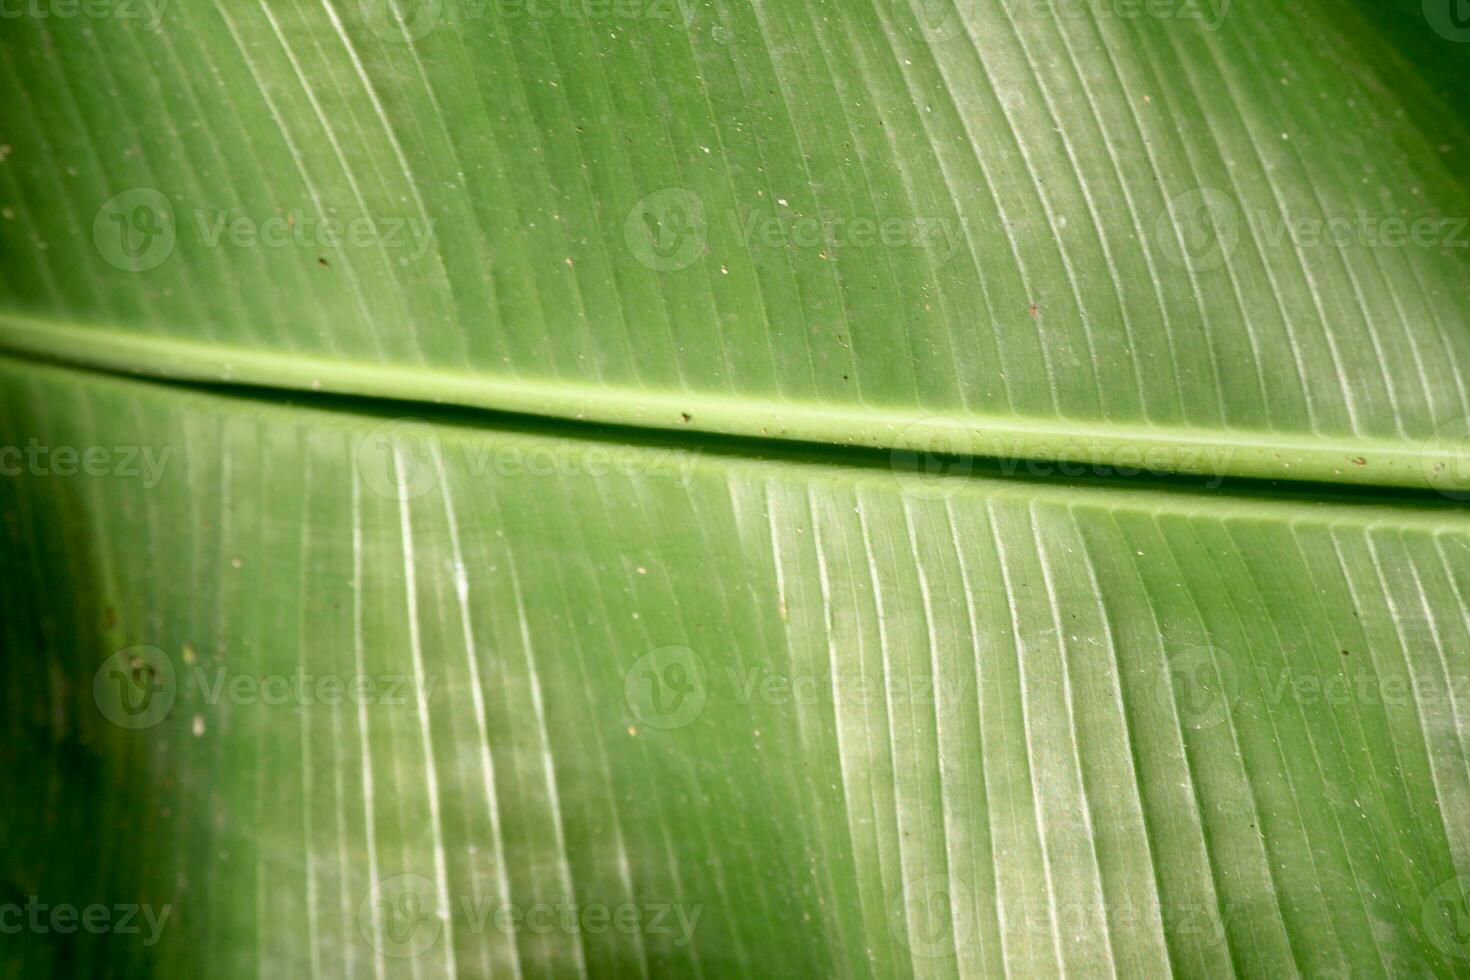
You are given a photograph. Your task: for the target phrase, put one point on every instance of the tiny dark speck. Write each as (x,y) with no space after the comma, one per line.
(322,263)
(685,417)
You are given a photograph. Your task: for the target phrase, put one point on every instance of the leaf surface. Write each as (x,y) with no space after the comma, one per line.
(1034,229)
(828,591)
(844,721)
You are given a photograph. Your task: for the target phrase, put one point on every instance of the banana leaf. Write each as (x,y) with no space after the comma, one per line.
(649,488)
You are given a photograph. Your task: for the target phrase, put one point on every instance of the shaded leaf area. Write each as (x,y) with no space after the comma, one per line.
(784,718)
(1205,220)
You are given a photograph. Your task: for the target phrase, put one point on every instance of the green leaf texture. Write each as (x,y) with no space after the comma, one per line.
(844,721)
(953,499)
(1048,228)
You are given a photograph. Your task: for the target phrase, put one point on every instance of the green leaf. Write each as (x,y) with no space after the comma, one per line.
(1064,230)
(881,555)
(857,722)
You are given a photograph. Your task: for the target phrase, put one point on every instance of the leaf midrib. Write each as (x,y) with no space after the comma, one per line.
(1096,449)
